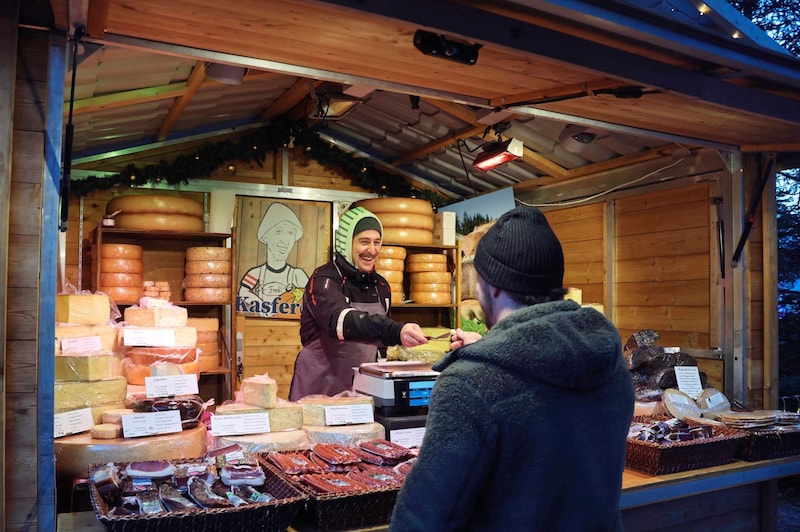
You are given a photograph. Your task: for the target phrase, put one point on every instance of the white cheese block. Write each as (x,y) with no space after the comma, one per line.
(104,335)
(347,435)
(115,415)
(171,316)
(158,336)
(83,309)
(314,407)
(74,395)
(282,416)
(259,390)
(84,368)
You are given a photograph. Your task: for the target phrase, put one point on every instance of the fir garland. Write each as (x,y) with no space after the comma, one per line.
(253,148)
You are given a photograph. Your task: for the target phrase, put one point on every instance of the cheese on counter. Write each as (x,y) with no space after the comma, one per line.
(169,316)
(314,407)
(106,431)
(347,435)
(289,440)
(283,416)
(114,415)
(85,368)
(74,395)
(83,309)
(259,390)
(105,335)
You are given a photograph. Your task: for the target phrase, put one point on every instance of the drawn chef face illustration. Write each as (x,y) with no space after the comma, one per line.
(281,239)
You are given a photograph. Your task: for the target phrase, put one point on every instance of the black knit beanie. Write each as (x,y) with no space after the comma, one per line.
(367,223)
(521,253)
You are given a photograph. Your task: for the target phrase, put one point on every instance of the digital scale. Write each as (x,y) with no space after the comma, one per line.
(398,388)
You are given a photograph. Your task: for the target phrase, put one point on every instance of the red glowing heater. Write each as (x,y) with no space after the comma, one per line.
(497,154)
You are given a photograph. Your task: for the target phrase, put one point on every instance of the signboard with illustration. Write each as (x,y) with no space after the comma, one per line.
(279,244)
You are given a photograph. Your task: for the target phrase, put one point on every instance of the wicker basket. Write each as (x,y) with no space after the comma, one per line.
(666,458)
(770,444)
(275,515)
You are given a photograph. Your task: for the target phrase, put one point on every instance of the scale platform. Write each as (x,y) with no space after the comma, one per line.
(398,388)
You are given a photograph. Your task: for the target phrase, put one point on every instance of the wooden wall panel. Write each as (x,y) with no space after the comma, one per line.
(270,346)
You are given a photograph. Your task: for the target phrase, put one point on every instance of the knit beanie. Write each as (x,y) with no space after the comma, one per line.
(521,253)
(351,223)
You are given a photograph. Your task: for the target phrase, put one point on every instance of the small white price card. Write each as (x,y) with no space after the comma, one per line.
(689,380)
(73,422)
(86,344)
(151,423)
(407,437)
(349,414)
(238,424)
(148,336)
(170,385)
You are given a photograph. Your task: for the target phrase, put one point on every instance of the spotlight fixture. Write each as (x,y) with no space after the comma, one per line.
(497,154)
(227,74)
(438,45)
(332,104)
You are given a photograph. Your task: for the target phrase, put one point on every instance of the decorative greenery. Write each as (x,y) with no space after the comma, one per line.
(254,147)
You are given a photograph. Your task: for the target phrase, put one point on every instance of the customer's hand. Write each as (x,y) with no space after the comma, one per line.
(411,335)
(460,338)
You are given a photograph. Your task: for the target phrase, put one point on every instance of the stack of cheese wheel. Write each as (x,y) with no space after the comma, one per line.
(429,282)
(157,213)
(405,221)
(390,264)
(208,275)
(208,354)
(120,272)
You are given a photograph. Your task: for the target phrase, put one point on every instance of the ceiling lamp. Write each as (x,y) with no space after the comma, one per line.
(333,106)
(438,45)
(497,154)
(227,74)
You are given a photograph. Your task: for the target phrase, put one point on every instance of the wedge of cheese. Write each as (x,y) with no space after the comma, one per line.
(83,309)
(260,391)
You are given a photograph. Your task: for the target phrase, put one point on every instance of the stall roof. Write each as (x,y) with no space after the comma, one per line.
(586,85)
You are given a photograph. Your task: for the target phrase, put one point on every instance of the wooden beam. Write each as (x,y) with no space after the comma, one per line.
(436,145)
(179,105)
(456,109)
(96,18)
(576,90)
(126,98)
(289,100)
(787,146)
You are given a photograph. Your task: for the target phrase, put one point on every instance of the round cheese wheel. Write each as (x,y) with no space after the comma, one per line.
(208,253)
(208,295)
(389,264)
(207,280)
(207,348)
(400,235)
(206,337)
(392,252)
(430,287)
(414,267)
(431,277)
(430,298)
(121,266)
(121,279)
(426,257)
(405,205)
(208,266)
(152,355)
(120,251)
(203,324)
(155,221)
(123,295)
(206,363)
(396,288)
(397,298)
(136,203)
(391,276)
(407,220)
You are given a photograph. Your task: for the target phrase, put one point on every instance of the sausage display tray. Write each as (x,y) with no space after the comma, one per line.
(275,515)
(336,511)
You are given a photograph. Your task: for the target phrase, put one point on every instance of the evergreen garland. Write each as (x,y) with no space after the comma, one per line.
(254,147)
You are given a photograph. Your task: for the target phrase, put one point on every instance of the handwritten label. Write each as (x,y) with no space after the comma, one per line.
(149,336)
(407,437)
(73,422)
(689,380)
(349,414)
(239,424)
(170,385)
(151,423)
(80,346)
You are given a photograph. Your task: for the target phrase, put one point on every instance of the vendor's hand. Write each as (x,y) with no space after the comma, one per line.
(460,338)
(411,335)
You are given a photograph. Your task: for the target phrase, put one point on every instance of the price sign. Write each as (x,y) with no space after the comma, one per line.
(170,385)
(151,423)
(238,424)
(689,380)
(349,414)
(73,422)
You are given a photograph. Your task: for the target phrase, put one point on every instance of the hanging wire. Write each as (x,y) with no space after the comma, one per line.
(459,142)
(67,173)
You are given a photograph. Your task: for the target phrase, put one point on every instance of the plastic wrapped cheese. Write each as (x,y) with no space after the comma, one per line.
(86,339)
(680,405)
(166,316)
(347,435)
(283,416)
(74,395)
(158,336)
(84,368)
(318,409)
(83,309)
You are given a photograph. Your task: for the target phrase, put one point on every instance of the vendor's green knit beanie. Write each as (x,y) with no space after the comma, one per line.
(351,223)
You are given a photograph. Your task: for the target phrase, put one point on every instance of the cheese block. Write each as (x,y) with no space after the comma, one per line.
(431,277)
(315,408)
(207,348)
(84,368)
(208,253)
(414,267)
(121,266)
(115,415)
(207,266)
(97,411)
(158,336)
(121,251)
(105,335)
(121,279)
(147,221)
(123,295)
(204,324)
(259,390)
(150,203)
(169,316)
(73,395)
(283,416)
(392,252)
(83,309)
(347,435)
(208,280)
(106,431)
(288,440)
(207,295)
(396,288)
(430,298)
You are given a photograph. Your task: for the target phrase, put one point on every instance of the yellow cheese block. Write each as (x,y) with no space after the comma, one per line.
(172,316)
(74,395)
(83,309)
(84,368)
(106,334)
(203,324)
(314,407)
(115,415)
(260,391)
(206,363)
(106,431)
(158,336)
(283,416)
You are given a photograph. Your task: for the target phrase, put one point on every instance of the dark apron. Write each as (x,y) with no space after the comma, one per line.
(325,366)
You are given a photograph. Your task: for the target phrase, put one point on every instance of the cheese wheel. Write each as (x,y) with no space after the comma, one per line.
(382,264)
(153,355)
(135,374)
(392,276)
(406,220)
(206,337)
(397,298)
(426,257)
(121,251)
(123,295)
(414,267)
(430,298)
(203,324)
(208,266)
(430,287)
(399,235)
(208,253)
(396,288)
(206,363)
(392,252)
(121,279)
(431,277)
(405,205)
(121,265)
(208,295)
(207,348)
(207,280)
(155,221)
(149,203)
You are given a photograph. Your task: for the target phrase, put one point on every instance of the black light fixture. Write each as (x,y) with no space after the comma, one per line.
(331,104)
(438,45)
(497,154)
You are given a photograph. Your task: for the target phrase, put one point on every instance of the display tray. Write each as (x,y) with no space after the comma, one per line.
(768,444)
(275,515)
(675,457)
